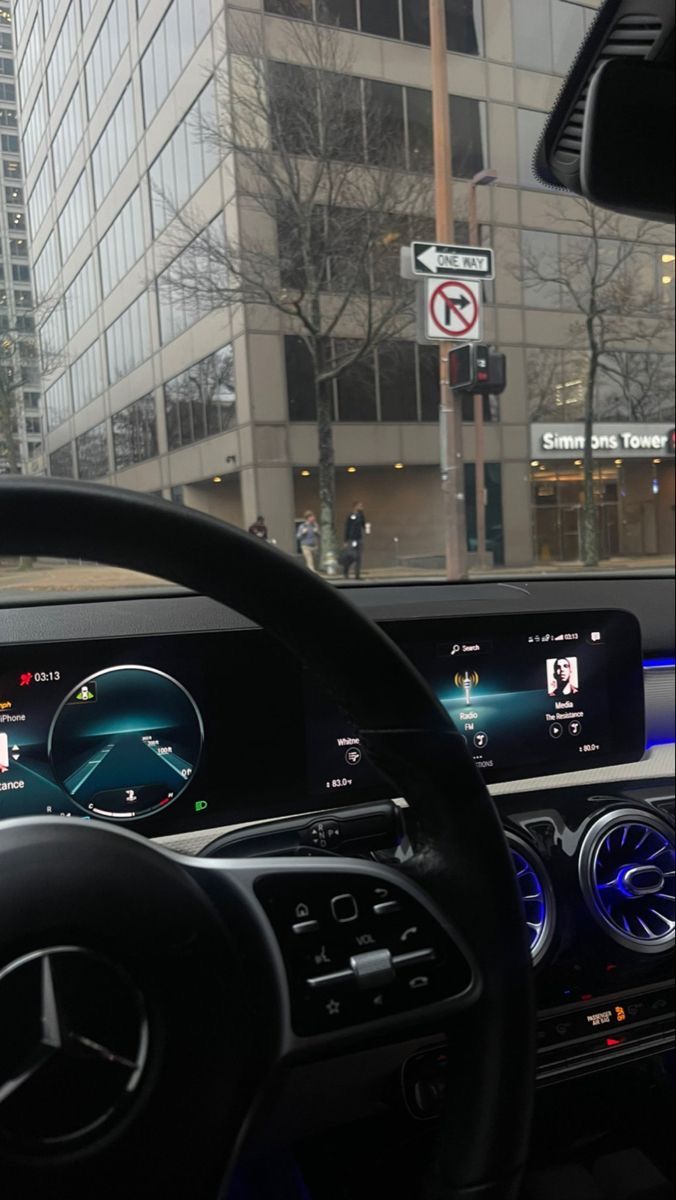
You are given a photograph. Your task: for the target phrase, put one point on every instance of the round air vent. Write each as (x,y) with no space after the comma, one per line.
(537,896)
(627,876)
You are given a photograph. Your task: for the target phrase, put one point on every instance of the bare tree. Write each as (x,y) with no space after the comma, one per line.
(597,272)
(325,203)
(641,383)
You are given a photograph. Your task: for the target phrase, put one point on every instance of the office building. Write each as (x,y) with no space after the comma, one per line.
(20,406)
(212,409)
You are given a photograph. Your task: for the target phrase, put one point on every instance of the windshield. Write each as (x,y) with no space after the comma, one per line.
(248,266)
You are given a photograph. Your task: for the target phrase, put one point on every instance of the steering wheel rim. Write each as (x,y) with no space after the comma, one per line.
(461,858)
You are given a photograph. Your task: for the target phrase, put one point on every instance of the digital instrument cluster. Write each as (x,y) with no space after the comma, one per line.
(163,734)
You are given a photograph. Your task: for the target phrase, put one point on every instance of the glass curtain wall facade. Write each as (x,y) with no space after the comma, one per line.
(20,403)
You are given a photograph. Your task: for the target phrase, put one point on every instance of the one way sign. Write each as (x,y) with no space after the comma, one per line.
(453,262)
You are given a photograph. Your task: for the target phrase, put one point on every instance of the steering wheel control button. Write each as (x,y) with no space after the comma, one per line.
(332,979)
(304,927)
(374,969)
(386,909)
(344,909)
(371,966)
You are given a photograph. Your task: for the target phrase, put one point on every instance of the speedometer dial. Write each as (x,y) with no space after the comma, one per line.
(125,742)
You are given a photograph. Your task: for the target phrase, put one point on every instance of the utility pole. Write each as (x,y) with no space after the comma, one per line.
(481,179)
(450,415)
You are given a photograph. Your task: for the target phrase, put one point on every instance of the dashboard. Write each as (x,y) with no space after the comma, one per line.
(182,720)
(173,735)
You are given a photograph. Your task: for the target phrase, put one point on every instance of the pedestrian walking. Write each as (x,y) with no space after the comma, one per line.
(308,539)
(355,528)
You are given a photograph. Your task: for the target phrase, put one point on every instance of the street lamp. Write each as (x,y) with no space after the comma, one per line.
(482,179)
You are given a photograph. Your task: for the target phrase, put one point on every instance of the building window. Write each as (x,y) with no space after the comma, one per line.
(35,128)
(33,426)
(385,130)
(490,408)
(185,162)
(49,8)
(123,244)
(6,66)
(17,221)
(67,137)
(61,462)
(420,138)
(631,385)
(299,380)
(81,297)
(31,400)
(397,122)
(41,197)
(529,125)
(62,55)
(47,267)
(494,521)
(399,382)
(87,376)
(200,402)
(114,147)
(181,303)
(302,10)
(88,7)
(92,452)
(11,170)
(128,339)
(548,33)
(356,386)
(111,42)
(18,248)
(135,433)
(541,250)
(29,62)
(177,36)
(76,217)
(464,33)
(7,91)
(53,336)
(10,143)
(20,274)
(464,24)
(20,8)
(380,17)
(58,402)
(14,195)
(468,136)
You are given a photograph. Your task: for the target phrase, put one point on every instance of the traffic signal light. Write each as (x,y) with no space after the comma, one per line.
(478,369)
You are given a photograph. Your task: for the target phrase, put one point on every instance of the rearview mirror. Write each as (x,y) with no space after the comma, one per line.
(610,135)
(627,161)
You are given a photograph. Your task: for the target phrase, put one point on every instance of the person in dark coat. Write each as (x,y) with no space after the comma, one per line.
(355,528)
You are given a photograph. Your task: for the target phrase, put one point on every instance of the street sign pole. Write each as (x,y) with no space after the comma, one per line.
(450,417)
(479,455)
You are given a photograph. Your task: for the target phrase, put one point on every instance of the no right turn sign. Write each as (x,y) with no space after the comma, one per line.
(452,310)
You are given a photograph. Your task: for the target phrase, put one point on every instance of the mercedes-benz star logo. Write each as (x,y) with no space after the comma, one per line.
(73,1046)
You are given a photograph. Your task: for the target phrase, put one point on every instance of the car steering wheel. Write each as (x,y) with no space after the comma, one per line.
(150,1003)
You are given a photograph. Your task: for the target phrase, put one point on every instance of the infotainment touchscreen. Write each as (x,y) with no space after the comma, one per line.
(531,695)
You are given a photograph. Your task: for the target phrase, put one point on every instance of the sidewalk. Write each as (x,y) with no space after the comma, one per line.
(87,577)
